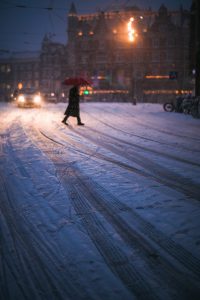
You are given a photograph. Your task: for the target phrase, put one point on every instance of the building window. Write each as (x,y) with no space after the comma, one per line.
(162,42)
(163,56)
(3,68)
(102,58)
(119,58)
(155,43)
(163,28)
(155,57)
(171,42)
(101,45)
(170,56)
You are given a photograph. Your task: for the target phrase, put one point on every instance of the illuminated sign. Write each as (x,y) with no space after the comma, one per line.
(157,76)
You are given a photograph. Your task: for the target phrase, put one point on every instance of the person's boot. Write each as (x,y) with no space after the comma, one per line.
(64,122)
(79,121)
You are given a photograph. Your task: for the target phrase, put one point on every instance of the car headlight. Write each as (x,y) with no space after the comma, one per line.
(21,99)
(37,99)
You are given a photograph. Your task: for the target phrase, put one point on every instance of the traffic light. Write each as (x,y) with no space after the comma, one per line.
(173,75)
(86,92)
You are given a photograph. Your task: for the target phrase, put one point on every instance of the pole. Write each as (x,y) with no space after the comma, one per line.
(197,47)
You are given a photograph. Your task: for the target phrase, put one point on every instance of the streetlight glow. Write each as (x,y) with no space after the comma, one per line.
(131,30)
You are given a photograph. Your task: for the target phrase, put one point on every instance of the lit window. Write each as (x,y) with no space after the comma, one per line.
(155,43)
(3,68)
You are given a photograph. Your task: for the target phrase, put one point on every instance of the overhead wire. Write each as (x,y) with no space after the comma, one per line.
(23,33)
(50,16)
(24,6)
(50,8)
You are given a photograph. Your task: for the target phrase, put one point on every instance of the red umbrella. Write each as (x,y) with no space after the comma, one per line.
(76,81)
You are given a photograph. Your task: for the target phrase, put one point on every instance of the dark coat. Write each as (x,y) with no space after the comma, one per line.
(73,106)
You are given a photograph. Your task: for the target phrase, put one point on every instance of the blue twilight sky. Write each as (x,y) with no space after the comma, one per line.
(23,28)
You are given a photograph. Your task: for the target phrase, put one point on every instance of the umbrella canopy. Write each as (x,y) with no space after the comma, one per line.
(76,81)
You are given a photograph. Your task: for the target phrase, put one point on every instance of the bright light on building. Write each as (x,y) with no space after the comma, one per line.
(20,85)
(131,30)
(157,76)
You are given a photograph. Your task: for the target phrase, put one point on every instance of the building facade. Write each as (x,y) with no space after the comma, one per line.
(53,65)
(6,78)
(195,45)
(43,70)
(19,68)
(129,53)
(166,58)
(100,48)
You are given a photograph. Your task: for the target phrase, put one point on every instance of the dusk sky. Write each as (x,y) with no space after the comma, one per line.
(23,29)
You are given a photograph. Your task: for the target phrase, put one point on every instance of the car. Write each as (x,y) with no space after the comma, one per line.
(29,98)
(51,97)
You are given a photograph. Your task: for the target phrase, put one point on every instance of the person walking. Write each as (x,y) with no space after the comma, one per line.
(73,106)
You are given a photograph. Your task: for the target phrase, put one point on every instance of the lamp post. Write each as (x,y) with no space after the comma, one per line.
(197,46)
(132,34)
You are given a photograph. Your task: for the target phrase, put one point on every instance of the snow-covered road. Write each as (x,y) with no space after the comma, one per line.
(106,211)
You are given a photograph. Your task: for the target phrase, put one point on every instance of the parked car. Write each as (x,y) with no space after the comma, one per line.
(51,98)
(29,98)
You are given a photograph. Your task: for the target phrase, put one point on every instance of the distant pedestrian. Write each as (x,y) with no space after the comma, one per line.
(73,106)
(134,101)
(178,104)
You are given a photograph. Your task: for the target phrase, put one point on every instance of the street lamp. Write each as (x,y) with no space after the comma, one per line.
(197,46)
(131,30)
(195,43)
(132,34)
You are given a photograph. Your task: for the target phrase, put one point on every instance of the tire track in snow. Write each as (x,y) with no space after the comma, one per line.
(168,178)
(160,262)
(114,256)
(170,244)
(27,259)
(123,142)
(74,191)
(150,125)
(157,172)
(110,202)
(29,263)
(106,123)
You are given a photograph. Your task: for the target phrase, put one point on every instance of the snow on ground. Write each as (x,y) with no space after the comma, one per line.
(106,211)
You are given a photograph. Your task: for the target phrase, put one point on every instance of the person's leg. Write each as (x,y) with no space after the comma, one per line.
(79,121)
(65,119)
